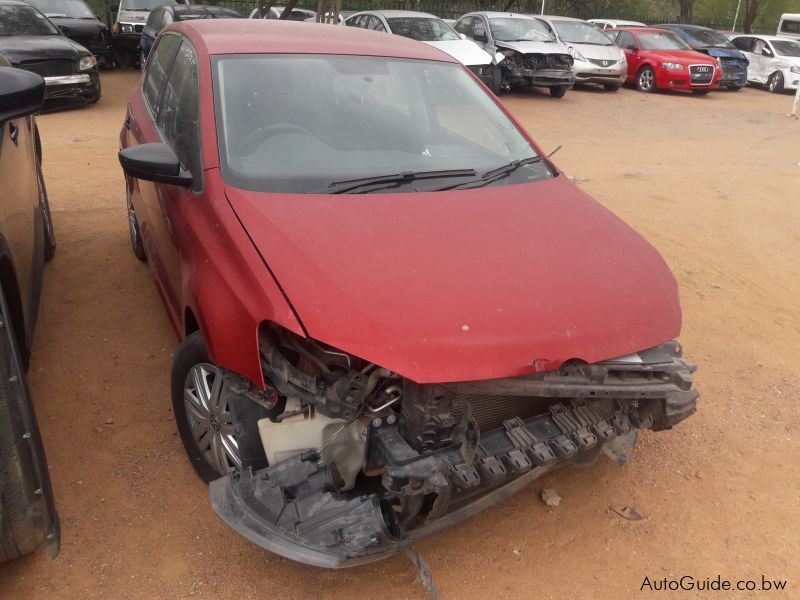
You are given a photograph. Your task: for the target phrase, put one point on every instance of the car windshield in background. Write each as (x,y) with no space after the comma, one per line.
(422,29)
(299,123)
(71,9)
(786,47)
(145,4)
(19,19)
(578,32)
(708,38)
(519,30)
(660,40)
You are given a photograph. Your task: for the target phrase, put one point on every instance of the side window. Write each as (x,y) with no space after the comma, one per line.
(353,21)
(375,24)
(464,25)
(167,19)
(744,44)
(625,40)
(790,26)
(180,111)
(271,14)
(479,30)
(613,35)
(157,67)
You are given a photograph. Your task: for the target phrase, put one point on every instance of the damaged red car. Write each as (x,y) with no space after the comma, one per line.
(394,310)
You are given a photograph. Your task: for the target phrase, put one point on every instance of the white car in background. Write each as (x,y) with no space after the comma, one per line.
(789,26)
(432,30)
(275,12)
(597,58)
(774,61)
(615,23)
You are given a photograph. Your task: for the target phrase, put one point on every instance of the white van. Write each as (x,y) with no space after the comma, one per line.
(789,26)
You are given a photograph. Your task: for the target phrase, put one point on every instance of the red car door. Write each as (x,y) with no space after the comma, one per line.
(627,42)
(160,205)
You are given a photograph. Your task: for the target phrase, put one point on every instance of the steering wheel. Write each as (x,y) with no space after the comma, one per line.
(255,138)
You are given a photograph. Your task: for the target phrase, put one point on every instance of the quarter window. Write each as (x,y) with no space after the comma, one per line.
(179,114)
(157,68)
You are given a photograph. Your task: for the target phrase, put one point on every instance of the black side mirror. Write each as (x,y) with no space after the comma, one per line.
(21,93)
(766,52)
(113,7)
(480,37)
(154,162)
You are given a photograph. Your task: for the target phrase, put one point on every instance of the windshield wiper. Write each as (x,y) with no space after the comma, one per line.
(347,185)
(494,174)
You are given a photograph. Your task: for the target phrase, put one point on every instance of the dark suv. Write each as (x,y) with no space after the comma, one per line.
(28,517)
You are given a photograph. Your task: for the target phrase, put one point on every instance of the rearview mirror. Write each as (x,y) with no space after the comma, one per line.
(154,162)
(21,93)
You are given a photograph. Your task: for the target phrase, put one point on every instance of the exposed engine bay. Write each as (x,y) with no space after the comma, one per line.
(362,461)
(536,68)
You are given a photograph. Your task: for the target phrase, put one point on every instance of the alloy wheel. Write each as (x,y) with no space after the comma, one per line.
(646,80)
(209,417)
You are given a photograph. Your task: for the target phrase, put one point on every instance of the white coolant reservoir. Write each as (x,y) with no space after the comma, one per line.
(311,431)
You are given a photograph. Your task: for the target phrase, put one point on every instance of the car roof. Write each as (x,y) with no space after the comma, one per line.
(686,26)
(767,38)
(557,18)
(497,15)
(642,29)
(393,14)
(247,36)
(620,22)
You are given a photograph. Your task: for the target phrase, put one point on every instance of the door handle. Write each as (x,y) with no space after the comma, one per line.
(127,122)
(13,133)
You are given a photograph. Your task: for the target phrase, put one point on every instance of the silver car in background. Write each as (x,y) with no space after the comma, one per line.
(433,31)
(597,59)
(531,54)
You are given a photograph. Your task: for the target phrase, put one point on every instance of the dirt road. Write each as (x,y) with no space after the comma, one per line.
(713,182)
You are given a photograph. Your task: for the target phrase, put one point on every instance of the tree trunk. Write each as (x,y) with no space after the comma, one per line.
(287,10)
(751,8)
(686,10)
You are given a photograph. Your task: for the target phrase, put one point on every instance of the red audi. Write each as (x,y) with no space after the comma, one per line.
(394,310)
(659,59)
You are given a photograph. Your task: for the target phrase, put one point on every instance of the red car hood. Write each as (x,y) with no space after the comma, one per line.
(465,285)
(684,57)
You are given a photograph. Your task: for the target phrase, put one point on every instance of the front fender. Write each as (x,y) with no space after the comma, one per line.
(226,284)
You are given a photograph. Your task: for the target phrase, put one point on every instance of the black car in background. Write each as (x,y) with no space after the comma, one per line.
(77,21)
(28,516)
(30,41)
(161,17)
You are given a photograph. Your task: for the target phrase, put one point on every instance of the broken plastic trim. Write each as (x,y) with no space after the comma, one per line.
(294,510)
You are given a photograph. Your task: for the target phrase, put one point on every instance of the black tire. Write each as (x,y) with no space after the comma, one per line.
(25,502)
(611,87)
(700,92)
(47,219)
(646,80)
(735,88)
(244,413)
(558,91)
(133,227)
(775,83)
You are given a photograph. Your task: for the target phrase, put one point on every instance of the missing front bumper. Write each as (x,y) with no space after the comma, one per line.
(293,508)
